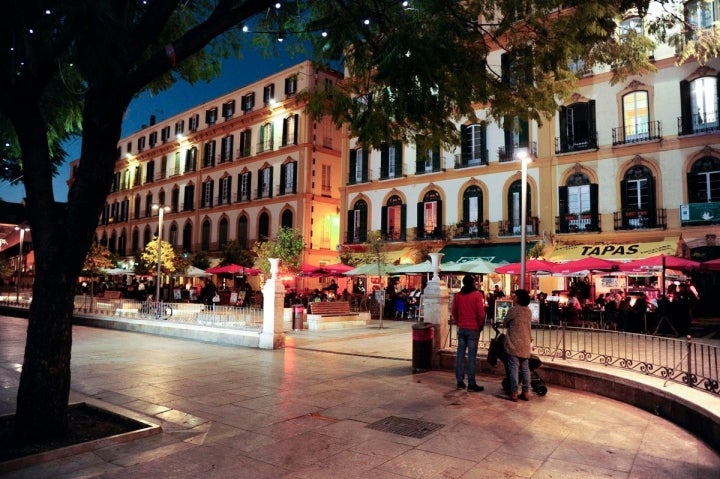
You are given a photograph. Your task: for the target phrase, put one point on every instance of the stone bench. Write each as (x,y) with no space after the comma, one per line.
(334,315)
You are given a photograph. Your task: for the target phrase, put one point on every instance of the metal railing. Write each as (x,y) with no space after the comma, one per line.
(220,316)
(687,361)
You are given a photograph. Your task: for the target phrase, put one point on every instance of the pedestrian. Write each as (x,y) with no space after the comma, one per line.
(468,311)
(518,345)
(208,292)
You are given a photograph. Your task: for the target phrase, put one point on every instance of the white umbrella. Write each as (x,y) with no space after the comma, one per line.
(476,266)
(425,267)
(117,271)
(193,272)
(371,269)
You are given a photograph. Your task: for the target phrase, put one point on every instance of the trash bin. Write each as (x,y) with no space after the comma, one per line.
(297,318)
(422,347)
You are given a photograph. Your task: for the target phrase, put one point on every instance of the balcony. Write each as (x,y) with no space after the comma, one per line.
(637,219)
(506,153)
(472,229)
(569,144)
(577,223)
(512,227)
(627,135)
(698,123)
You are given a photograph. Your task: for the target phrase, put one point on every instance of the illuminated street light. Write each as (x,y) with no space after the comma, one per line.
(22,230)
(523,155)
(161,212)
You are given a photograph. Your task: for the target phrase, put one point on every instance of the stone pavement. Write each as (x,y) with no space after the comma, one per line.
(305,412)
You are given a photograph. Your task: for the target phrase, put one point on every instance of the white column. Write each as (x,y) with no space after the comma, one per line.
(273,334)
(436,307)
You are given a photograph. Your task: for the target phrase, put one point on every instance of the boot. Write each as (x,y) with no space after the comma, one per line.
(514,397)
(525,396)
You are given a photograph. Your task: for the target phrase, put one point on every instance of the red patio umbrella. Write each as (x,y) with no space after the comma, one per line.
(713,264)
(658,263)
(531,266)
(234,269)
(589,263)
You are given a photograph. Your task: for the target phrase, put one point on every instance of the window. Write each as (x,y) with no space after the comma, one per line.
(578,204)
(358,166)
(391,161)
(228,109)
(165,134)
(194,122)
(191,159)
(288,178)
(176,164)
(245,143)
(357,223)
(141,144)
(247,102)
(517,135)
(326,184)
(148,205)
(474,145)
(636,116)
(269,94)
(206,200)
(286,219)
(179,127)
(631,25)
(242,235)
(135,241)
(211,116)
(244,186)
(189,198)
(226,149)
(394,217)
(472,212)
(205,236)
(225,193)
(209,156)
(290,130)
(430,216)
(175,200)
(136,207)
(146,236)
(700,14)
(703,180)
(428,160)
(291,86)
(265,183)
(263,227)
(577,127)
(266,138)
(163,167)
(152,139)
(222,233)
(187,237)
(173,238)
(637,190)
(699,104)
(514,206)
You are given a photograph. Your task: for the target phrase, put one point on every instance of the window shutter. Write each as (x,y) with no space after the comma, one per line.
(465,146)
(295,177)
(398,158)
(270,186)
(564,140)
(563,208)
(466,208)
(403,222)
(439,227)
(365,168)
(594,206)
(592,133)
(283,172)
(350,226)
(296,128)
(420,220)
(436,160)
(624,202)
(384,161)
(228,190)
(285,132)
(651,205)
(524,137)
(353,167)
(212,193)
(508,131)
(483,144)
(686,114)
(363,224)
(384,220)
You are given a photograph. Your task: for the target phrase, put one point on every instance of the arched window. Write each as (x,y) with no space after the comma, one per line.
(122,244)
(429,214)
(242,235)
(104,241)
(637,190)
(514,206)
(147,235)
(578,204)
(474,144)
(173,235)
(263,227)
(394,219)
(286,220)
(357,222)
(205,236)
(187,238)
(472,211)
(135,241)
(112,244)
(703,180)
(222,233)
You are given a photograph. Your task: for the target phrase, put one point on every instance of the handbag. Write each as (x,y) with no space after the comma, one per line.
(496,350)
(216,298)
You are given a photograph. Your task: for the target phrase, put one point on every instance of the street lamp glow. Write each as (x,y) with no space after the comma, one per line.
(523,155)
(22,230)
(161,210)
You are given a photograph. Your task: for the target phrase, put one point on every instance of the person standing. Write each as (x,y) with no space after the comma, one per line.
(468,311)
(208,292)
(518,345)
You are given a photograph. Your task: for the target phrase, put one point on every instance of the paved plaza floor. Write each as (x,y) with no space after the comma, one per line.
(340,404)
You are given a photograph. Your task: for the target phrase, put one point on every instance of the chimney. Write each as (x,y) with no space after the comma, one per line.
(152,120)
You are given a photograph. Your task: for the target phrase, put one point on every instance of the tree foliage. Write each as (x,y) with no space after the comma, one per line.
(288,245)
(167,256)
(233,253)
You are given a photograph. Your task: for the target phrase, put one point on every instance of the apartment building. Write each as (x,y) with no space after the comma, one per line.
(634,162)
(238,167)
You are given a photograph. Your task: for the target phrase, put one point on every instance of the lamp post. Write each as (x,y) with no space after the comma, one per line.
(161,211)
(22,230)
(524,157)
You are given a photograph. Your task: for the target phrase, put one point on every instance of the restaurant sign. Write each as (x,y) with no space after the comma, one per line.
(697,212)
(614,251)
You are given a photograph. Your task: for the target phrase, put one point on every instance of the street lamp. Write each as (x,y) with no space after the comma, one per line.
(523,155)
(161,211)
(22,230)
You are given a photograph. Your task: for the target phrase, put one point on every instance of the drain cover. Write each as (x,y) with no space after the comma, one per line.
(405,427)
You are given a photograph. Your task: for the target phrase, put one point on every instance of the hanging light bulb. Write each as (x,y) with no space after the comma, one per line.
(366,21)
